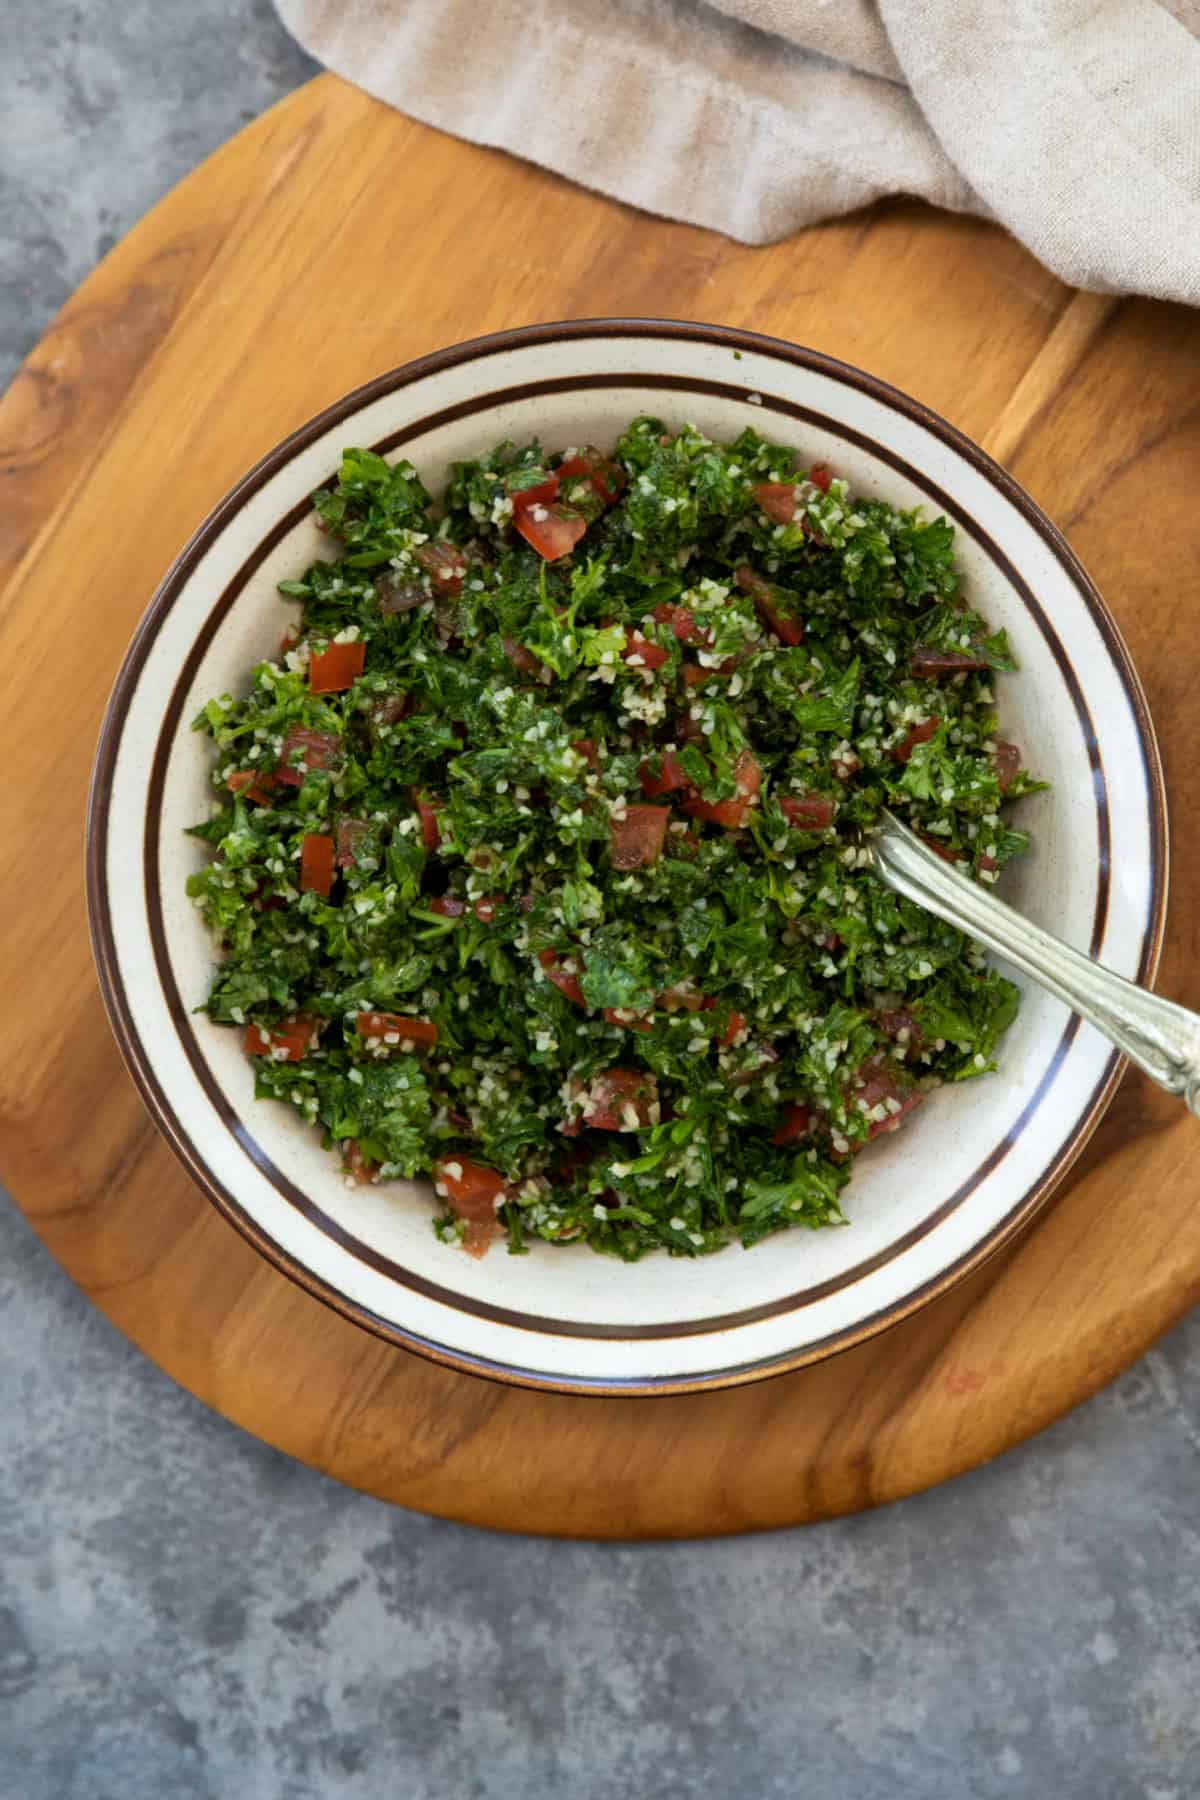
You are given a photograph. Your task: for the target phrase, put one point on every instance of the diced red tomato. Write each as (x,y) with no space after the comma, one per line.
(621,1100)
(669,778)
(827,940)
(636,838)
(883,1083)
(431,831)
(289,1041)
(988,864)
(523,660)
(732,1031)
(407,1032)
(447,906)
(900,1024)
(552,531)
(682,622)
(821,475)
(316,864)
(587,749)
(845,764)
(356,1164)
(387,711)
(777,499)
(444,565)
(813,813)
(396,596)
(643,654)
(621,1015)
(795,1123)
(934,663)
(946,851)
(315,749)
(487,908)
(920,734)
(289,640)
(335,669)
(1007,762)
(252,784)
(564,981)
(349,839)
(474,1192)
(540,494)
(773,606)
(606,476)
(732,814)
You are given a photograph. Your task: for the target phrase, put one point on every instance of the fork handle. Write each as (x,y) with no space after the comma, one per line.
(1163,1039)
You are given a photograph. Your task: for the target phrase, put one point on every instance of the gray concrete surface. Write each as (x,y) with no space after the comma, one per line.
(184,1613)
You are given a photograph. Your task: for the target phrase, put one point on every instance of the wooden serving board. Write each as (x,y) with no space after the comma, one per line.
(332,240)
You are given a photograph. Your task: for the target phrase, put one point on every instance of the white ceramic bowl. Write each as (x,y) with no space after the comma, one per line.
(925,1206)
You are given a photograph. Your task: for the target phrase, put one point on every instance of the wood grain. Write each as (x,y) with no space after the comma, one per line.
(331,240)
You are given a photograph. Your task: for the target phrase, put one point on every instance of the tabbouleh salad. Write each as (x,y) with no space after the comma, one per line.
(538,851)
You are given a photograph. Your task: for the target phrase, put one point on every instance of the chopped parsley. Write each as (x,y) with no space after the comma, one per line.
(538,860)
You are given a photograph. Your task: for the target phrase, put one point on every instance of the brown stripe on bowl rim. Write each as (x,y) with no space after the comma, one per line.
(134,1052)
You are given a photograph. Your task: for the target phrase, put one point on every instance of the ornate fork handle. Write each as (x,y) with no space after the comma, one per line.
(1160,1037)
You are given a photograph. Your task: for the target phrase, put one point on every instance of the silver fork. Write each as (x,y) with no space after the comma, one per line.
(1162,1038)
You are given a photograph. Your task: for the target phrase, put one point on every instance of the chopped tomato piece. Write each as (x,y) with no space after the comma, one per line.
(349,838)
(947,853)
(335,669)
(387,711)
(813,813)
(541,493)
(879,1084)
(670,776)
(682,622)
(774,605)
(444,565)
(643,654)
(396,1031)
(396,597)
(587,749)
(777,499)
(795,1123)
(988,864)
(821,475)
(474,1193)
(732,1031)
(487,908)
(1007,762)
(845,764)
(286,1042)
(563,979)
(732,814)
(523,660)
(621,1100)
(932,663)
(252,784)
(606,476)
(316,864)
(920,734)
(621,1015)
(356,1164)
(447,906)
(900,1024)
(431,831)
(289,640)
(313,749)
(552,531)
(636,838)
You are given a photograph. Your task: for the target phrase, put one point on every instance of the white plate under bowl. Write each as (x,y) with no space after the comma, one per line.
(925,1206)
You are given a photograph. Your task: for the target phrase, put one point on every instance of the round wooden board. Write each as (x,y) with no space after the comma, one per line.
(334,239)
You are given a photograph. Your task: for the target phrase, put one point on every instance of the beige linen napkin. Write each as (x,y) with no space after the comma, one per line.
(1075,123)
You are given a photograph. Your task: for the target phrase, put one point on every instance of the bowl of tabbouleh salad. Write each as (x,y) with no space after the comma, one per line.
(479,859)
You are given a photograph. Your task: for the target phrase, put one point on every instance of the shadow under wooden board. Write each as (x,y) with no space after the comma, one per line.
(330,241)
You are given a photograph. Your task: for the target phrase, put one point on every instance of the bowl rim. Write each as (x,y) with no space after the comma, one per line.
(134,1053)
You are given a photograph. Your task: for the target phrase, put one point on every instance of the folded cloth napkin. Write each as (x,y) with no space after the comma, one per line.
(1075,123)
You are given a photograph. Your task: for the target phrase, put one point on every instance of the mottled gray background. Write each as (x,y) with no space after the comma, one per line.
(184,1612)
